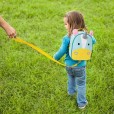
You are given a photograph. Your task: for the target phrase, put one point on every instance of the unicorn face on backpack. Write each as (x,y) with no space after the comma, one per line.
(80,45)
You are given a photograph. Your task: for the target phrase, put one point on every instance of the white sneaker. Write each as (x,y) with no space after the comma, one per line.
(82,107)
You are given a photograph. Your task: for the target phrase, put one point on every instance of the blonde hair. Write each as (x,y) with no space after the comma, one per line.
(75,21)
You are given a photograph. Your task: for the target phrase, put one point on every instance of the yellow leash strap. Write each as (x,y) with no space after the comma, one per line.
(37,49)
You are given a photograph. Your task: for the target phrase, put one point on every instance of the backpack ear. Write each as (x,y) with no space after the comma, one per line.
(75,31)
(91,33)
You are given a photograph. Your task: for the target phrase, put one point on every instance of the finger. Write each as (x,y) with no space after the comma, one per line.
(12,35)
(15,36)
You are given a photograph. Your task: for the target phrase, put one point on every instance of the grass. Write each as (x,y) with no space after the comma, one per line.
(32,84)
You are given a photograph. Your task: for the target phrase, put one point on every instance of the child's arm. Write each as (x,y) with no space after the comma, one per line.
(11,32)
(63,49)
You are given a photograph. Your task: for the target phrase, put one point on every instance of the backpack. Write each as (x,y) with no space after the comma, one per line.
(80,45)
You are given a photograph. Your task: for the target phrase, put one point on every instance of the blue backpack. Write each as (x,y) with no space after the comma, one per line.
(80,45)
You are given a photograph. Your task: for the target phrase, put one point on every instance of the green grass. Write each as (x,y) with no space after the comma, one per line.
(32,84)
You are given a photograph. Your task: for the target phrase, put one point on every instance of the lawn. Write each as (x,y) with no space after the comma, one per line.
(32,84)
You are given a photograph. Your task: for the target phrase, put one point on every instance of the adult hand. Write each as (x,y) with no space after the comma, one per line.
(11,32)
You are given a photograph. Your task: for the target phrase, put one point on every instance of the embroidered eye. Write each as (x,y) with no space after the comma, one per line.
(78,43)
(88,44)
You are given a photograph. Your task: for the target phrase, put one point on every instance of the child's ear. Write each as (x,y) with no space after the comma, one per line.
(75,31)
(91,33)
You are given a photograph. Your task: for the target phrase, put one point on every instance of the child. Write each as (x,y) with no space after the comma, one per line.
(9,30)
(76,74)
